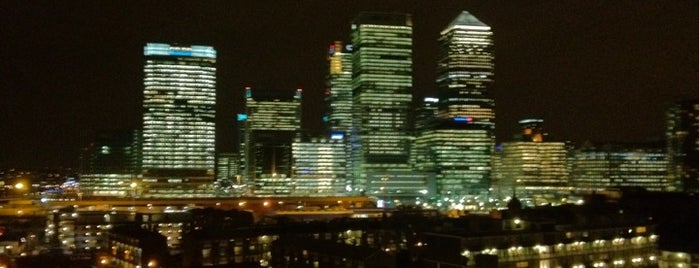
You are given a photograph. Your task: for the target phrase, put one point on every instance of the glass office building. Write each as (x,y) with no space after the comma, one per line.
(179,129)
(459,144)
(339,94)
(382,95)
(338,98)
(110,163)
(179,101)
(596,167)
(320,166)
(532,169)
(682,136)
(272,122)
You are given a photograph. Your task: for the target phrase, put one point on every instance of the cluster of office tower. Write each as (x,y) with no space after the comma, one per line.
(378,141)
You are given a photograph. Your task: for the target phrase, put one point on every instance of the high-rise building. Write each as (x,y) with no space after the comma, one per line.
(339,94)
(459,144)
(682,136)
(338,98)
(382,95)
(272,122)
(596,167)
(179,99)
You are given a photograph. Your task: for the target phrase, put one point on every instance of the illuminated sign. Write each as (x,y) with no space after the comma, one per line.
(462,119)
(528,121)
(180,53)
(167,50)
(640,229)
(242,117)
(337,136)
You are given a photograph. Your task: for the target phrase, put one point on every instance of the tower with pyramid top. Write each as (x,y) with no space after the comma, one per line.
(459,143)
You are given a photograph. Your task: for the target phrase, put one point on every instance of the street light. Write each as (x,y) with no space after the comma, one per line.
(19,186)
(133,186)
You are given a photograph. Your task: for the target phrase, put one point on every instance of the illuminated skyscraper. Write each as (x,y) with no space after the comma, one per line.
(179,101)
(459,145)
(339,94)
(273,120)
(338,97)
(682,136)
(382,86)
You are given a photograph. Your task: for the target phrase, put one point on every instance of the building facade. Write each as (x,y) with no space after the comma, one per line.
(339,94)
(616,246)
(179,129)
(459,144)
(382,95)
(682,136)
(273,120)
(228,178)
(320,166)
(532,169)
(111,163)
(179,98)
(601,166)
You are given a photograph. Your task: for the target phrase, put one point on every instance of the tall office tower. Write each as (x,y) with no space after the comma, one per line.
(460,143)
(339,94)
(179,128)
(273,121)
(382,94)
(596,167)
(682,136)
(320,166)
(339,97)
(532,169)
(110,163)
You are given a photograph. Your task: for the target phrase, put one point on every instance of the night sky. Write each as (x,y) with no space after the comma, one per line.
(593,70)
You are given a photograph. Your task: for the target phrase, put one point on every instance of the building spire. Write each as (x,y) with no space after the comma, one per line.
(466,19)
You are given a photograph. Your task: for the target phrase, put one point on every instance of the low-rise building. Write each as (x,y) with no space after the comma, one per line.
(131,246)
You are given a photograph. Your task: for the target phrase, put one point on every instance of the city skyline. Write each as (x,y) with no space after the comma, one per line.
(59,86)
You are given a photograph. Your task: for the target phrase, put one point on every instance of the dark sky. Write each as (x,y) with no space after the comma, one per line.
(594,70)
